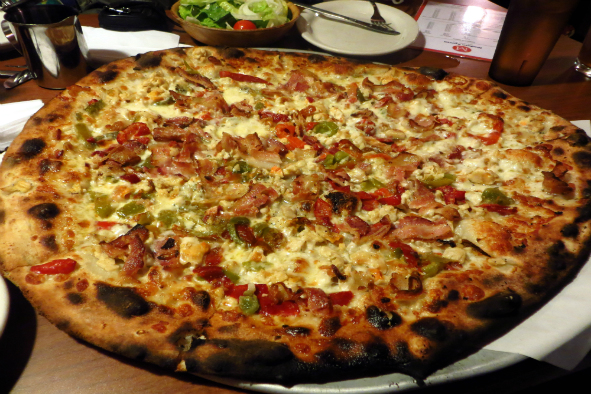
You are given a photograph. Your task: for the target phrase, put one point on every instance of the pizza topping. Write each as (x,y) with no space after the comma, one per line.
(242,77)
(59,266)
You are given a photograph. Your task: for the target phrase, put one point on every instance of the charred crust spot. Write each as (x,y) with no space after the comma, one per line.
(47,165)
(37,120)
(519,248)
(75,298)
(124,301)
(436,73)
(500,94)
(2,216)
(578,138)
(499,305)
(169,244)
(53,117)
(582,159)
(49,242)
(31,148)
(559,257)
(430,328)
(315,59)
(188,336)
(229,329)
(587,191)
(453,295)
(231,53)
(377,351)
(570,230)
(584,211)
(557,128)
(44,211)
(380,319)
(296,331)
(342,201)
(134,352)
(450,242)
(147,60)
(243,358)
(201,299)
(107,75)
(524,108)
(63,325)
(329,326)
(558,151)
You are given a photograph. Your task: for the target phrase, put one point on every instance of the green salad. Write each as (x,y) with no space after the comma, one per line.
(228,14)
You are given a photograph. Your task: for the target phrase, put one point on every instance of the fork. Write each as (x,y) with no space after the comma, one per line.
(377,18)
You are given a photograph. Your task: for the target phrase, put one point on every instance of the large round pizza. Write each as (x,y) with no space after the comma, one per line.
(291,217)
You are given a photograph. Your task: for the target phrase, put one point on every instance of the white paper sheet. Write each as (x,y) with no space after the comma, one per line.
(13,117)
(466,31)
(106,46)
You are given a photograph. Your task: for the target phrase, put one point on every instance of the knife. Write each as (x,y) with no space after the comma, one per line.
(366,25)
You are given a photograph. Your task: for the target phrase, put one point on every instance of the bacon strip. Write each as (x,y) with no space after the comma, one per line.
(414,227)
(197,79)
(257,196)
(129,246)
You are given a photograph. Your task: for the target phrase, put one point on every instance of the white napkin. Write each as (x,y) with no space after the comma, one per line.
(13,117)
(106,45)
(560,332)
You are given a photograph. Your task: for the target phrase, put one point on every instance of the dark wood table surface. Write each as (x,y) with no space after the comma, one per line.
(36,357)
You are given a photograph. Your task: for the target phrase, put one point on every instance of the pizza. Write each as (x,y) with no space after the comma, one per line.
(291,217)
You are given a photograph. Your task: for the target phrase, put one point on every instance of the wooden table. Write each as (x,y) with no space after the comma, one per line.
(36,357)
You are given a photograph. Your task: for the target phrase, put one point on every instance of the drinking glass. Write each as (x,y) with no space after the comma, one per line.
(583,61)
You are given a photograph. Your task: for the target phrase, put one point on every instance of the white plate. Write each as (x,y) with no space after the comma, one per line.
(4,304)
(479,363)
(347,39)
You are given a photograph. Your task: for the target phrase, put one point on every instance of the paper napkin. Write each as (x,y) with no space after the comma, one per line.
(13,117)
(560,332)
(107,45)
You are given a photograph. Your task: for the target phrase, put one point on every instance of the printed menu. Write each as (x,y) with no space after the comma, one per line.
(465,31)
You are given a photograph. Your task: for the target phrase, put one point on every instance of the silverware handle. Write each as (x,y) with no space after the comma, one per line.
(345,18)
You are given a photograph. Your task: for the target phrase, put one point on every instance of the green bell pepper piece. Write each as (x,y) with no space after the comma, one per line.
(232,228)
(493,195)
(328,128)
(249,304)
(432,183)
(130,209)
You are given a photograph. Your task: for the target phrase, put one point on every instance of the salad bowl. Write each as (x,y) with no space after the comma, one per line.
(235,38)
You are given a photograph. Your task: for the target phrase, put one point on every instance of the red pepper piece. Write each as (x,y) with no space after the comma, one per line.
(451,195)
(210,273)
(59,266)
(105,225)
(341,297)
(134,130)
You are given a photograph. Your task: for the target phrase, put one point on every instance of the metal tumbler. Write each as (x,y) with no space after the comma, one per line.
(50,38)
